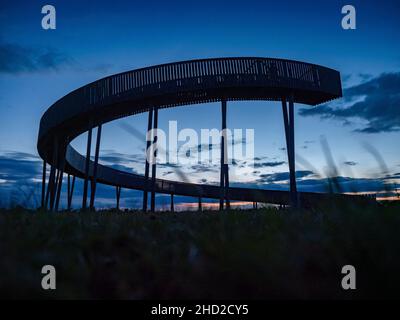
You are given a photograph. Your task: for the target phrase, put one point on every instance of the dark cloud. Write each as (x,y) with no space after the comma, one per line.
(392,176)
(199,168)
(168,165)
(15,58)
(205,147)
(19,167)
(379,105)
(119,158)
(239,141)
(365,76)
(113,159)
(279,181)
(210,146)
(18,174)
(346,77)
(350,163)
(346,184)
(282,176)
(121,167)
(20,155)
(240,163)
(268,164)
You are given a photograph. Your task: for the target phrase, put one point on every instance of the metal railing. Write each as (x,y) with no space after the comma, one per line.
(194,75)
(274,70)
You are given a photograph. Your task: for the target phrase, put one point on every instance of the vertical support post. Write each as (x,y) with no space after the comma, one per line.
(61,176)
(59,185)
(153,167)
(68,186)
(43,184)
(172,203)
(146,171)
(224,176)
(293,186)
(200,208)
(96,162)
(228,203)
(288,120)
(286,125)
(53,192)
(54,178)
(85,184)
(70,190)
(118,194)
(52,172)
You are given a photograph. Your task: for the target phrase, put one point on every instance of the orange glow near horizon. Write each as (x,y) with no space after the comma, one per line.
(379,198)
(248,205)
(211,205)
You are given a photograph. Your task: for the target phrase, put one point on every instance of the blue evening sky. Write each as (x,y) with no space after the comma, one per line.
(94,39)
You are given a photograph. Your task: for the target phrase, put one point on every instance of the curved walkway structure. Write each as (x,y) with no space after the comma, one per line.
(169,85)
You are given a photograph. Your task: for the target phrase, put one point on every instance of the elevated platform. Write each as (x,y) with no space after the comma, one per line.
(170,85)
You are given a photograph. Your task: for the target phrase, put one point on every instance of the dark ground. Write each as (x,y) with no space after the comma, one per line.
(252,254)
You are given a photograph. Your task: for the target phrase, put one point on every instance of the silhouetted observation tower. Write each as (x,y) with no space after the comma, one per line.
(171,85)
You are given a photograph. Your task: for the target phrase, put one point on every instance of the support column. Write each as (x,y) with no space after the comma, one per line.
(289,134)
(60,178)
(96,162)
(86,181)
(293,186)
(224,175)
(286,125)
(118,194)
(172,203)
(53,192)
(70,190)
(146,170)
(52,173)
(228,202)
(52,178)
(59,185)
(200,208)
(43,184)
(68,187)
(153,167)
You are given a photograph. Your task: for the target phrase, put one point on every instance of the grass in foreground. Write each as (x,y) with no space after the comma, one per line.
(257,254)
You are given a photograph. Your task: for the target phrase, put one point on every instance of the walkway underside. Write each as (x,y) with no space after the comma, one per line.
(110,176)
